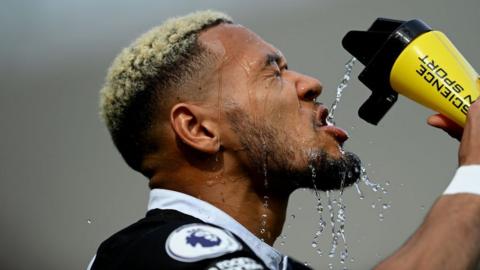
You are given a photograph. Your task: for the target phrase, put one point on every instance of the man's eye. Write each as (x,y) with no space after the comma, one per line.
(279,70)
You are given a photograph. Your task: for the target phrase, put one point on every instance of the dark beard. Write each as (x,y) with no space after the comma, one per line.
(328,173)
(271,159)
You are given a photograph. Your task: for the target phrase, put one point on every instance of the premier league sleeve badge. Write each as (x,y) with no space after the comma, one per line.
(195,242)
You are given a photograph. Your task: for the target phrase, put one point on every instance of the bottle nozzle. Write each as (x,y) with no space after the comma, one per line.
(378,48)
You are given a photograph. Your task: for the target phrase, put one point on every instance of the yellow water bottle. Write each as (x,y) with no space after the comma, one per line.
(409,58)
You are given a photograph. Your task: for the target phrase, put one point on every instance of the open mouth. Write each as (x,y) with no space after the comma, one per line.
(321,115)
(321,123)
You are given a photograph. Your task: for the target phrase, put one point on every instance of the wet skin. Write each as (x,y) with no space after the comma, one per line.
(255,78)
(204,155)
(215,148)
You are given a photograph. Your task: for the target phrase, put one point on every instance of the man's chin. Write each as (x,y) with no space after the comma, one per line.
(324,173)
(336,173)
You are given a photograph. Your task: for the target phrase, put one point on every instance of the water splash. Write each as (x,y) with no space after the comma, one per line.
(343,84)
(337,217)
(381,204)
(335,206)
(331,211)
(359,191)
(337,232)
(283,237)
(321,222)
(263,218)
(341,219)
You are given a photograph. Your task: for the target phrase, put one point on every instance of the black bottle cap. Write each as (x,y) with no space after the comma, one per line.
(378,49)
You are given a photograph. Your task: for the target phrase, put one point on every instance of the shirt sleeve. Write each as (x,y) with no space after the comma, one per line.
(466,180)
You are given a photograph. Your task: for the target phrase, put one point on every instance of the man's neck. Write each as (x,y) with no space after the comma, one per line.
(261,213)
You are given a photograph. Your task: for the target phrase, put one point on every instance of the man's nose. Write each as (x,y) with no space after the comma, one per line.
(308,88)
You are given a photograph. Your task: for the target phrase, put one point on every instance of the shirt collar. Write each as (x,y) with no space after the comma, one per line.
(167,199)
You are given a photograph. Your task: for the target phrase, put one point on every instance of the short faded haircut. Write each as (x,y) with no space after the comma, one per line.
(142,75)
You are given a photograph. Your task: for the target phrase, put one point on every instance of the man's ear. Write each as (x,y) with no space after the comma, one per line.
(195,128)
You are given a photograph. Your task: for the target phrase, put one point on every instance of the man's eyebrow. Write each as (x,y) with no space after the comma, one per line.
(267,63)
(271,58)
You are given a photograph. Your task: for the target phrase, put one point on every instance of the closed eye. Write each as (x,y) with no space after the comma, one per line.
(279,70)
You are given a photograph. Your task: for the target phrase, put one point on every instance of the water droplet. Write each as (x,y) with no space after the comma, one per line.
(387,183)
(359,191)
(422,207)
(380,216)
(330,266)
(341,86)
(335,206)
(262,230)
(373,205)
(306,263)
(282,243)
(292,216)
(89,221)
(385,206)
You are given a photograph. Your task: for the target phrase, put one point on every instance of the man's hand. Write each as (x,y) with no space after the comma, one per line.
(449,237)
(442,122)
(469,151)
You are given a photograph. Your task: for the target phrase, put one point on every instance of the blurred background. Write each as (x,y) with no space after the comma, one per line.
(64,188)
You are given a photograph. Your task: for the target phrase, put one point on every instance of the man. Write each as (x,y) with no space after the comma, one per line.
(224,131)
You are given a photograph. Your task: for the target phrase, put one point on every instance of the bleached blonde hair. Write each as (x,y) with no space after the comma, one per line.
(158,59)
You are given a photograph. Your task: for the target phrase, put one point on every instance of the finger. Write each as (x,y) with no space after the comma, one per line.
(444,123)
(439,121)
(470,144)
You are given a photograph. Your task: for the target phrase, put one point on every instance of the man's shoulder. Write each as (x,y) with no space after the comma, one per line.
(156,225)
(168,239)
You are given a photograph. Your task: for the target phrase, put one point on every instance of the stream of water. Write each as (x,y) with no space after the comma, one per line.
(334,203)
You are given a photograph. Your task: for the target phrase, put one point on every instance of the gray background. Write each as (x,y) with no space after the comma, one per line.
(64,188)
